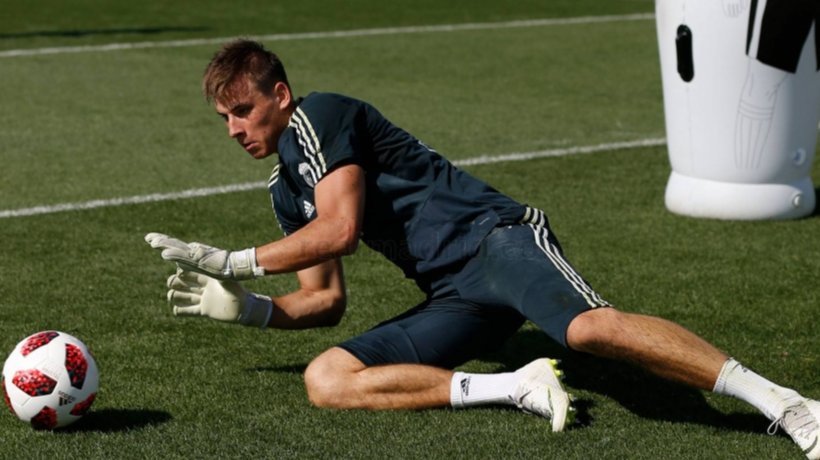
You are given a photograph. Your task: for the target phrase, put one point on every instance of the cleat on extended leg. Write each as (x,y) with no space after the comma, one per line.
(540,392)
(801,421)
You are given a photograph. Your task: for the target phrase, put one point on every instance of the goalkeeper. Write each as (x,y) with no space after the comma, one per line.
(486,263)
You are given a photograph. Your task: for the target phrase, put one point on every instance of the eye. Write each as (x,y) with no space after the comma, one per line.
(242,111)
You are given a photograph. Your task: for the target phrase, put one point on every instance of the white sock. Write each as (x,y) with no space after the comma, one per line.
(468,390)
(739,382)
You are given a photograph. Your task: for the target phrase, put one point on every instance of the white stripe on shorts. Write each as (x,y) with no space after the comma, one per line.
(592,298)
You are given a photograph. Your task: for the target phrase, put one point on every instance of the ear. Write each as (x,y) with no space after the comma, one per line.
(281,92)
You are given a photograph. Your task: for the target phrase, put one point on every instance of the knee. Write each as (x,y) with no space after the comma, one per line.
(326,378)
(321,382)
(593,329)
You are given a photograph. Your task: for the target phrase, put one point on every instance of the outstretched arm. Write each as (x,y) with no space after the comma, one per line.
(335,231)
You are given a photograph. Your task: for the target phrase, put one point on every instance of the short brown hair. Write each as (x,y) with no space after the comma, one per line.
(237,59)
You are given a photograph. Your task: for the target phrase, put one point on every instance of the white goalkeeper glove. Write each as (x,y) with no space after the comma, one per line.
(214,262)
(194,294)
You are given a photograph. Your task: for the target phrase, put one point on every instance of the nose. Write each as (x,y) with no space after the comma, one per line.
(234,127)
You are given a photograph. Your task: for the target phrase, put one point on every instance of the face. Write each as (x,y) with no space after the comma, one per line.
(256,119)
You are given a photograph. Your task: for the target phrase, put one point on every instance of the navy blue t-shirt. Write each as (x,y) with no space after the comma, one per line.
(421,212)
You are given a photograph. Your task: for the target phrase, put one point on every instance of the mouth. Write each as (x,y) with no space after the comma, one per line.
(249,146)
(254,149)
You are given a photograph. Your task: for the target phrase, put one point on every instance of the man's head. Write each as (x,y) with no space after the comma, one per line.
(250,90)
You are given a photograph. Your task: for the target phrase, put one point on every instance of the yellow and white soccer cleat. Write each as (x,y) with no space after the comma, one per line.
(540,392)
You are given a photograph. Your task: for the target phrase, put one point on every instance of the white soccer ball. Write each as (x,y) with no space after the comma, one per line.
(50,380)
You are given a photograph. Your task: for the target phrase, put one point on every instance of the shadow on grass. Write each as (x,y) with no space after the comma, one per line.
(284,369)
(816,200)
(116,420)
(637,391)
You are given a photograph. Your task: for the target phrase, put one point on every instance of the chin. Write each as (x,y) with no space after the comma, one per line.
(261,154)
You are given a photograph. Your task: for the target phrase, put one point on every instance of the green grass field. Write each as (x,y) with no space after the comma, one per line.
(99,125)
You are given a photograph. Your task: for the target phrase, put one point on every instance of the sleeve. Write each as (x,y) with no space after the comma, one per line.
(331,131)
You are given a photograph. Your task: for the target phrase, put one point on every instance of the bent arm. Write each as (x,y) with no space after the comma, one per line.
(335,232)
(319,302)
(314,253)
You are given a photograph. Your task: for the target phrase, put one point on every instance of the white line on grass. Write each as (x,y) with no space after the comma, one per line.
(524,156)
(221,190)
(330,34)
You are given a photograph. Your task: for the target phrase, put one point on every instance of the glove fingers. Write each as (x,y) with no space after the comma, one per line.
(190,277)
(186,281)
(176,254)
(195,274)
(175,281)
(183,298)
(150,237)
(199,278)
(187,311)
(160,240)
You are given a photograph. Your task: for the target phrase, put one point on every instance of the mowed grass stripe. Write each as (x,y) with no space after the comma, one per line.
(241,187)
(331,34)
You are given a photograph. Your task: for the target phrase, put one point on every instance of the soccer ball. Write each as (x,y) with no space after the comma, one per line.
(50,380)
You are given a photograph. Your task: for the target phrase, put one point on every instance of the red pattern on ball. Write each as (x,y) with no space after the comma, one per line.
(38,340)
(33,382)
(76,365)
(81,408)
(6,394)
(46,419)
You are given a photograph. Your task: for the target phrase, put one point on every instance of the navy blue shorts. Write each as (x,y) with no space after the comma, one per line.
(518,274)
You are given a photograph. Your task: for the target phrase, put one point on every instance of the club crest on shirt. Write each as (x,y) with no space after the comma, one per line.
(307,173)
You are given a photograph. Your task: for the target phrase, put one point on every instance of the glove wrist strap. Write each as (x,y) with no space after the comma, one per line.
(243,264)
(257,312)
